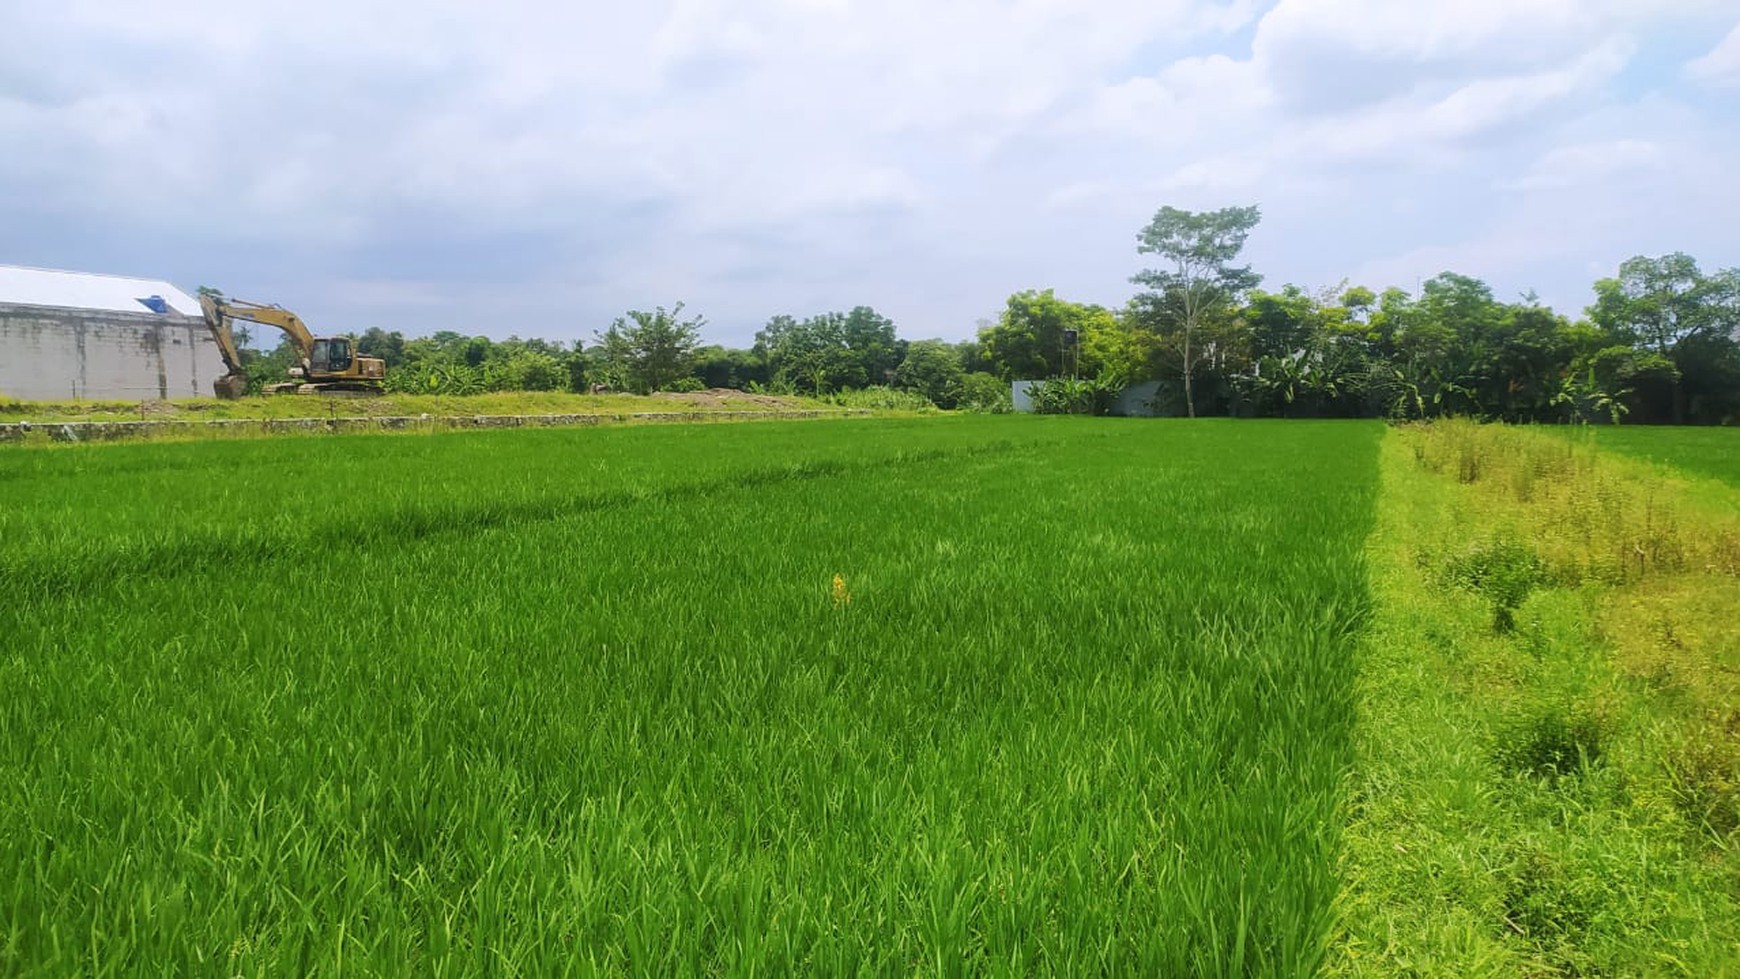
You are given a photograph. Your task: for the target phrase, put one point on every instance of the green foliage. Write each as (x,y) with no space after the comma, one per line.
(437,378)
(649,351)
(722,367)
(1076,396)
(1504,570)
(528,370)
(1670,307)
(882,398)
(1029,339)
(685,384)
(1197,284)
(1662,343)
(830,352)
(986,393)
(931,369)
(388,346)
(267,368)
(1660,302)
(1551,742)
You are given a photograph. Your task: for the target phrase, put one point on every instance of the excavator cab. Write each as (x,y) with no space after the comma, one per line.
(331,355)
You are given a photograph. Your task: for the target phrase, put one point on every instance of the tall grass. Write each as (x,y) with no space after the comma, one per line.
(593,701)
(1547,764)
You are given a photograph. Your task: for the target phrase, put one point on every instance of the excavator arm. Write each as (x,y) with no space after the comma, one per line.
(219,316)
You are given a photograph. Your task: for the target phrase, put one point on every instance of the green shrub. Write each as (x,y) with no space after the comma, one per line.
(881,399)
(437,379)
(1706,783)
(528,370)
(1505,571)
(1550,904)
(1076,396)
(1551,743)
(987,393)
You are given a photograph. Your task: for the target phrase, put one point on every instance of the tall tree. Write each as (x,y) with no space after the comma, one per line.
(1200,281)
(652,349)
(376,342)
(1669,307)
(1449,340)
(832,350)
(875,350)
(808,353)
(931,368)
(1028,339)
(726,367)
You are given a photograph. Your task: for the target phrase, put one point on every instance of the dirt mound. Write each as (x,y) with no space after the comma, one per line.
(725,398)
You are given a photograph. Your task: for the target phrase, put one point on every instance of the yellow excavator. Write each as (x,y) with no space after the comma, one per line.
(330,365)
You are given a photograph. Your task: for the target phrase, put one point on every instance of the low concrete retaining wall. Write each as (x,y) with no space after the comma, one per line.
(117,430)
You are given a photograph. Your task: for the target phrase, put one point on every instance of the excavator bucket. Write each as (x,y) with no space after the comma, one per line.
(231,386)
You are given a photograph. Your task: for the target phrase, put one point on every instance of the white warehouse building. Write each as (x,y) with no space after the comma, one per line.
(80,336)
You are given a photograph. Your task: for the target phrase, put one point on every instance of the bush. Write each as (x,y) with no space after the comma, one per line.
(529,370)
(1505,571)
(881,399)
(778,387)
(436,379)
(1072,396)
(1706,781)
(1551,743)
(1548,902)
(931,368)
(986,393)
(685,384)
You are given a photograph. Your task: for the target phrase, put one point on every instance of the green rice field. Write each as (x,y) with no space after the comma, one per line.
(947,696)
(593,702)
(1711,452)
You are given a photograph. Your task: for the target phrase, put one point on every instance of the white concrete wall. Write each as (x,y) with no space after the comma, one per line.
(1133,401)
(49,354)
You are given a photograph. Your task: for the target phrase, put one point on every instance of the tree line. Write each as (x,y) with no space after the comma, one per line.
(1660,343)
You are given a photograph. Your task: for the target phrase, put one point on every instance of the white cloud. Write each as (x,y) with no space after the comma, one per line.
(1722,65)
(752,156)
(1590,163)
(1415,126)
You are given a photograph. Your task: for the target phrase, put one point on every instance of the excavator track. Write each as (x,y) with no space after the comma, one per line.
(325,390)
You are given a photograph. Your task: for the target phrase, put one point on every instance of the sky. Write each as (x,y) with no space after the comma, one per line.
(537,168)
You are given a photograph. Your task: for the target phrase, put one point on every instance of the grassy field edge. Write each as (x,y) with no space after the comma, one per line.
(1542,787)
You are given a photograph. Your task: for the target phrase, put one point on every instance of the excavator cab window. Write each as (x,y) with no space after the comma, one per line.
(330,356)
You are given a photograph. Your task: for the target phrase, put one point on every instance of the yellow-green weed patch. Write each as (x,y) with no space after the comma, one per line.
(1546,775)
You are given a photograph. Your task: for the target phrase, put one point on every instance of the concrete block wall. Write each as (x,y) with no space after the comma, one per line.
(52,354)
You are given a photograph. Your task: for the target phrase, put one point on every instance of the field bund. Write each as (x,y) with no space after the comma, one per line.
(110,431)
